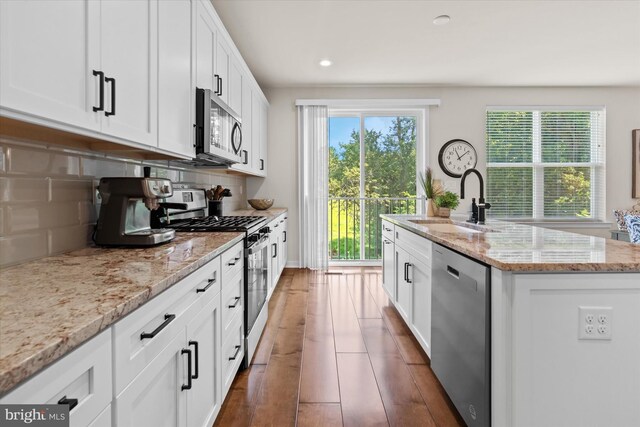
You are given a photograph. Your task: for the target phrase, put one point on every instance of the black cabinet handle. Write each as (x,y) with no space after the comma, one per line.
(238,347)
(275,250)
(284,234)
(71,402)
(113,96)
(261,164)
(409,265)
(220,87)
(189,383)
(168,318)
(236,303)
(387,242)
(246,157)
(195,347)
(100,106)
(217,91)
(209,283)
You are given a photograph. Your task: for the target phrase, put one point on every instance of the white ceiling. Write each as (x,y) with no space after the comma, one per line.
(394,42)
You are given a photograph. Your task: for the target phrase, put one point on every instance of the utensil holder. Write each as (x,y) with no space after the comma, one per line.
(215,207)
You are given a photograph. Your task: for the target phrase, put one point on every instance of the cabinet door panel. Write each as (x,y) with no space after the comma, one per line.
(421,306)
(255,133)
(247,129)
(175,90)
(403,286)
(155,397)
(222,67)
(47,53)
(129,55)
(388,268)
(235,86)
(205,398)
(205,47)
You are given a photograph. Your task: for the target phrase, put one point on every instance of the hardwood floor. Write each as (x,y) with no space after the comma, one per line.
(335,352)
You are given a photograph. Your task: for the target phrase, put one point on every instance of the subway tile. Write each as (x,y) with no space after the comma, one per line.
(25,217)
(71,190)
(22,247)
(24,189)
(171,174)
(133,170)
(65,239)
(89,213)
(101,167)
(61,214)
(36,162)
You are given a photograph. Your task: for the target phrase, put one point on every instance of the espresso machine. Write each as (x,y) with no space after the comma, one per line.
(125,212)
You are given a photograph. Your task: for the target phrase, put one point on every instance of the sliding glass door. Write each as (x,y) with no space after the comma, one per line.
(373,158)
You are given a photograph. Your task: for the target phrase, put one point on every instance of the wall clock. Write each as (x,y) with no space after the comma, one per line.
(456,156)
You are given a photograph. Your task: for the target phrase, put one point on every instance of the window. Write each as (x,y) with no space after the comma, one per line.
(373,158)
(546,163)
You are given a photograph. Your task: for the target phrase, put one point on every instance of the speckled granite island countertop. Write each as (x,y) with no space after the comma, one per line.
(523,248)
(270,213)
(51,306)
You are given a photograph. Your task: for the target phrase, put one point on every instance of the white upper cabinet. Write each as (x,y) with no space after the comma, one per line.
(47,53)
(205,40)
(175,78)
(235,85)
(129,61)
(221,68)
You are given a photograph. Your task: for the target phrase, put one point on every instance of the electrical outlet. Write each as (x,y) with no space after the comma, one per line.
(595,323)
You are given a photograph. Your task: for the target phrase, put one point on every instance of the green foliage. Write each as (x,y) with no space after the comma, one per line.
(426,180)
(447,200)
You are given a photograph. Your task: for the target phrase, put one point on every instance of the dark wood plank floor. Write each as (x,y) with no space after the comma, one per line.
(335,352)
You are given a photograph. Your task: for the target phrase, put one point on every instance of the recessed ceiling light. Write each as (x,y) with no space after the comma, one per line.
(442,20)
(325,63)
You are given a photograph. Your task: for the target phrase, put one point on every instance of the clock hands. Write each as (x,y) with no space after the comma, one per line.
(454,149)
(460,157)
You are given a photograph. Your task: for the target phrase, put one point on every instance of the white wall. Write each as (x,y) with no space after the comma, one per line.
(461,115)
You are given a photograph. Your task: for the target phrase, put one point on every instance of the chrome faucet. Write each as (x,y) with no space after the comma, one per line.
(482,206)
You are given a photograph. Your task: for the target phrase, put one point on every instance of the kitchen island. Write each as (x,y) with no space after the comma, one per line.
(551,363)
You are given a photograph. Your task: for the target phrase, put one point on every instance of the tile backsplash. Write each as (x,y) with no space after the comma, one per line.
(48,196)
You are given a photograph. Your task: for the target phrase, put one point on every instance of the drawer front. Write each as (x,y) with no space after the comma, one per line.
(232,301)
(417,245)
(84,374)
(233,261)
(388,230)
(139,337)
(232,353)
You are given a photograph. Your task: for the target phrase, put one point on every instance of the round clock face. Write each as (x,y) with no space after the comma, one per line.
(456,156)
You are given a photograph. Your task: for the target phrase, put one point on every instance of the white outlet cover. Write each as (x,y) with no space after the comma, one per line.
(585,313)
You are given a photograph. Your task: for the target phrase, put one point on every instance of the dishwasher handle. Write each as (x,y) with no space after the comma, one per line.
(453,272)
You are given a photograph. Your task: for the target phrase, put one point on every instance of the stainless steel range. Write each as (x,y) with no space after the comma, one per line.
(185,211)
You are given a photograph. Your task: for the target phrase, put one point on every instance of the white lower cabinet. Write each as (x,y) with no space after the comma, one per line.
(82,377)
(156,396)
(406,275)
(104,419)
(232,353)
(277,250)
(204,399)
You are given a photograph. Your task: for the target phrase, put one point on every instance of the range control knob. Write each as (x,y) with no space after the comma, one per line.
(265,230)
(253,238)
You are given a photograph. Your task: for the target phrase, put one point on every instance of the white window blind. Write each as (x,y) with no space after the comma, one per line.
(546,163)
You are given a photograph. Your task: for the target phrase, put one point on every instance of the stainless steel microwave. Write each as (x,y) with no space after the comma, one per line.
(218,130)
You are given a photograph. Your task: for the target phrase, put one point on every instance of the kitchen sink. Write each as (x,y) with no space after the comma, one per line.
(448,226)
(451,228)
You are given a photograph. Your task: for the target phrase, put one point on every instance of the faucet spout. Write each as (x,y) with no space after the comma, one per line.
(464,177)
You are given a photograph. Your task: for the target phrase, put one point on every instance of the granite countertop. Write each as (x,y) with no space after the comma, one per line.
(523,248)
(270,213)
(50,306)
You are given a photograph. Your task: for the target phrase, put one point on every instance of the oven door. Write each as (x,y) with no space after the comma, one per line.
(256,285)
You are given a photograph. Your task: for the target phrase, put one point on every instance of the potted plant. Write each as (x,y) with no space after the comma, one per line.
(445,202)
(432,189)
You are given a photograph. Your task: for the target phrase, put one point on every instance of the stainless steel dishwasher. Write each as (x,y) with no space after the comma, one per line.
(461,333)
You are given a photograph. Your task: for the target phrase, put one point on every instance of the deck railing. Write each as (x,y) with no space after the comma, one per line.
(355,225)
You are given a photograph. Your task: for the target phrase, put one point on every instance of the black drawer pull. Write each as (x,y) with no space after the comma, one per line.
(168,318)
(100,106)
(209,283)
(261,164)
(189,376)
(408,266)
(238,347)
(284,234)
(236,259)
(387,242)
(275,250)
(246,157)
(71,402)
(237,299)
(195,346)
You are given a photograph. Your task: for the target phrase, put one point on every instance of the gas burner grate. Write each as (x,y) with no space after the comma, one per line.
(222,223)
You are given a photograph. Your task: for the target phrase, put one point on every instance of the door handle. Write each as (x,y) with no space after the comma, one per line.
(275,250)
(237,299)
(220,82)
(209,283)
(261,164)
(217,91)
(71,402)
(189,383)
(284,234)
(100,106)
(168,318)
(246,157)
(453,272)
(238,347)
(113,96)
(405,271)
(409,265)
(195,347)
